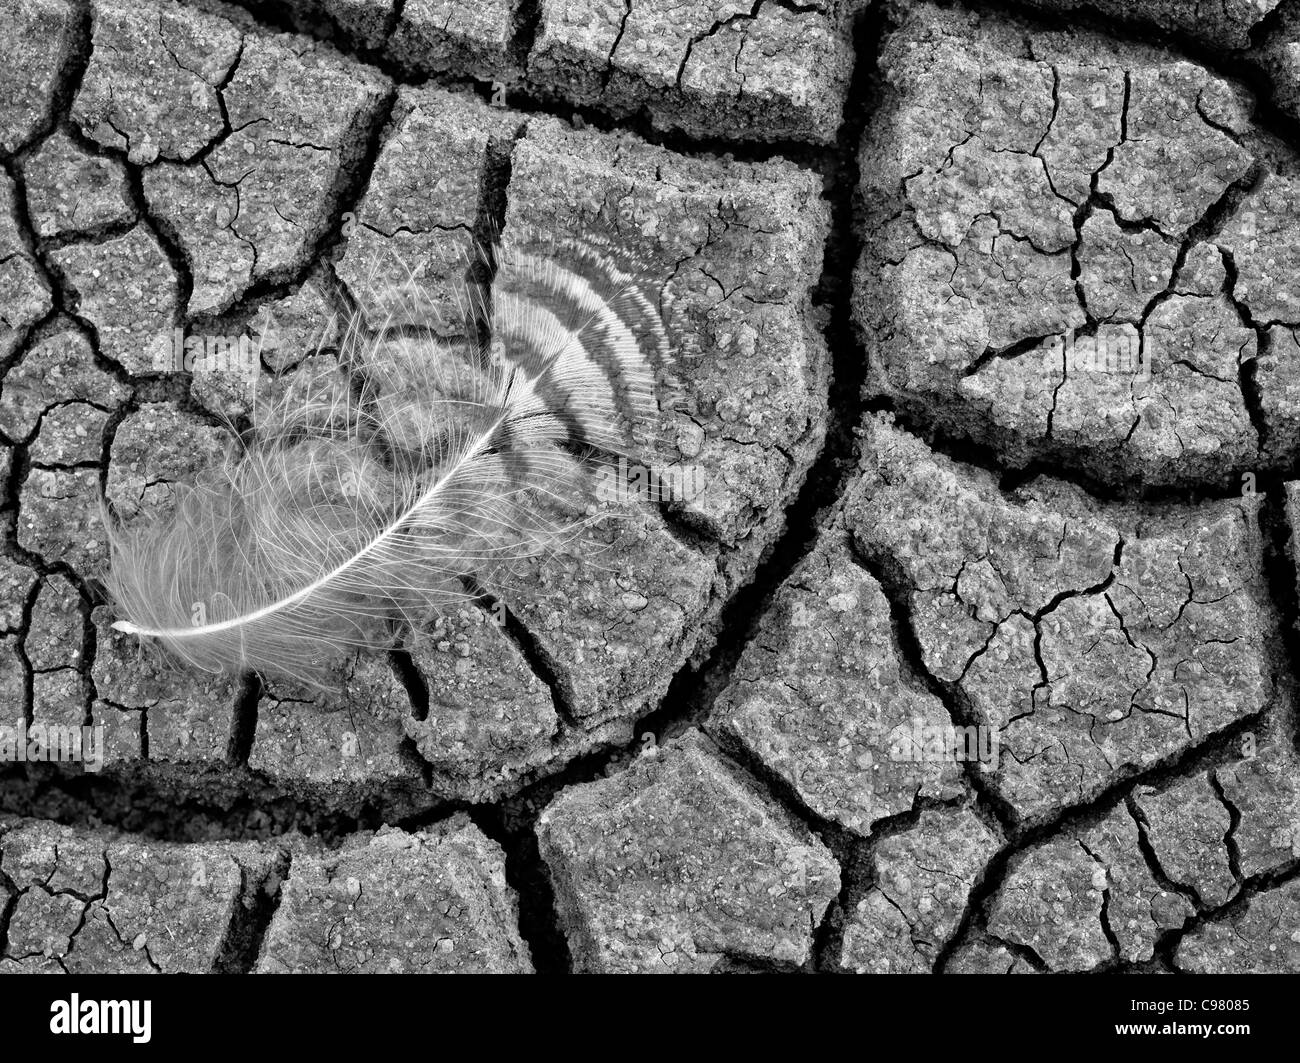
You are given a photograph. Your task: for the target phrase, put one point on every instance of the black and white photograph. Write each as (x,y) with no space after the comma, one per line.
(626,487)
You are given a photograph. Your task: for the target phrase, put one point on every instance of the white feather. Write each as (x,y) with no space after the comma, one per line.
(368,495)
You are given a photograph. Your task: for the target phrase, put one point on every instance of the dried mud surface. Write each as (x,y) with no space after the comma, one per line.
(993,312)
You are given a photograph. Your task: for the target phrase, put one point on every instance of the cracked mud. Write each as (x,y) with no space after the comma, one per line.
(977,651)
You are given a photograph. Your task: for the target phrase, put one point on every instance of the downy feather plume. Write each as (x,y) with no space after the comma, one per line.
(366,497)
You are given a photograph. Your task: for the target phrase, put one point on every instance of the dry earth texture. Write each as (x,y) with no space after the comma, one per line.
(994,321)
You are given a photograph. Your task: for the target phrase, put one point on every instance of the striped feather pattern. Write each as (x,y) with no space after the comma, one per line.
(367,496)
